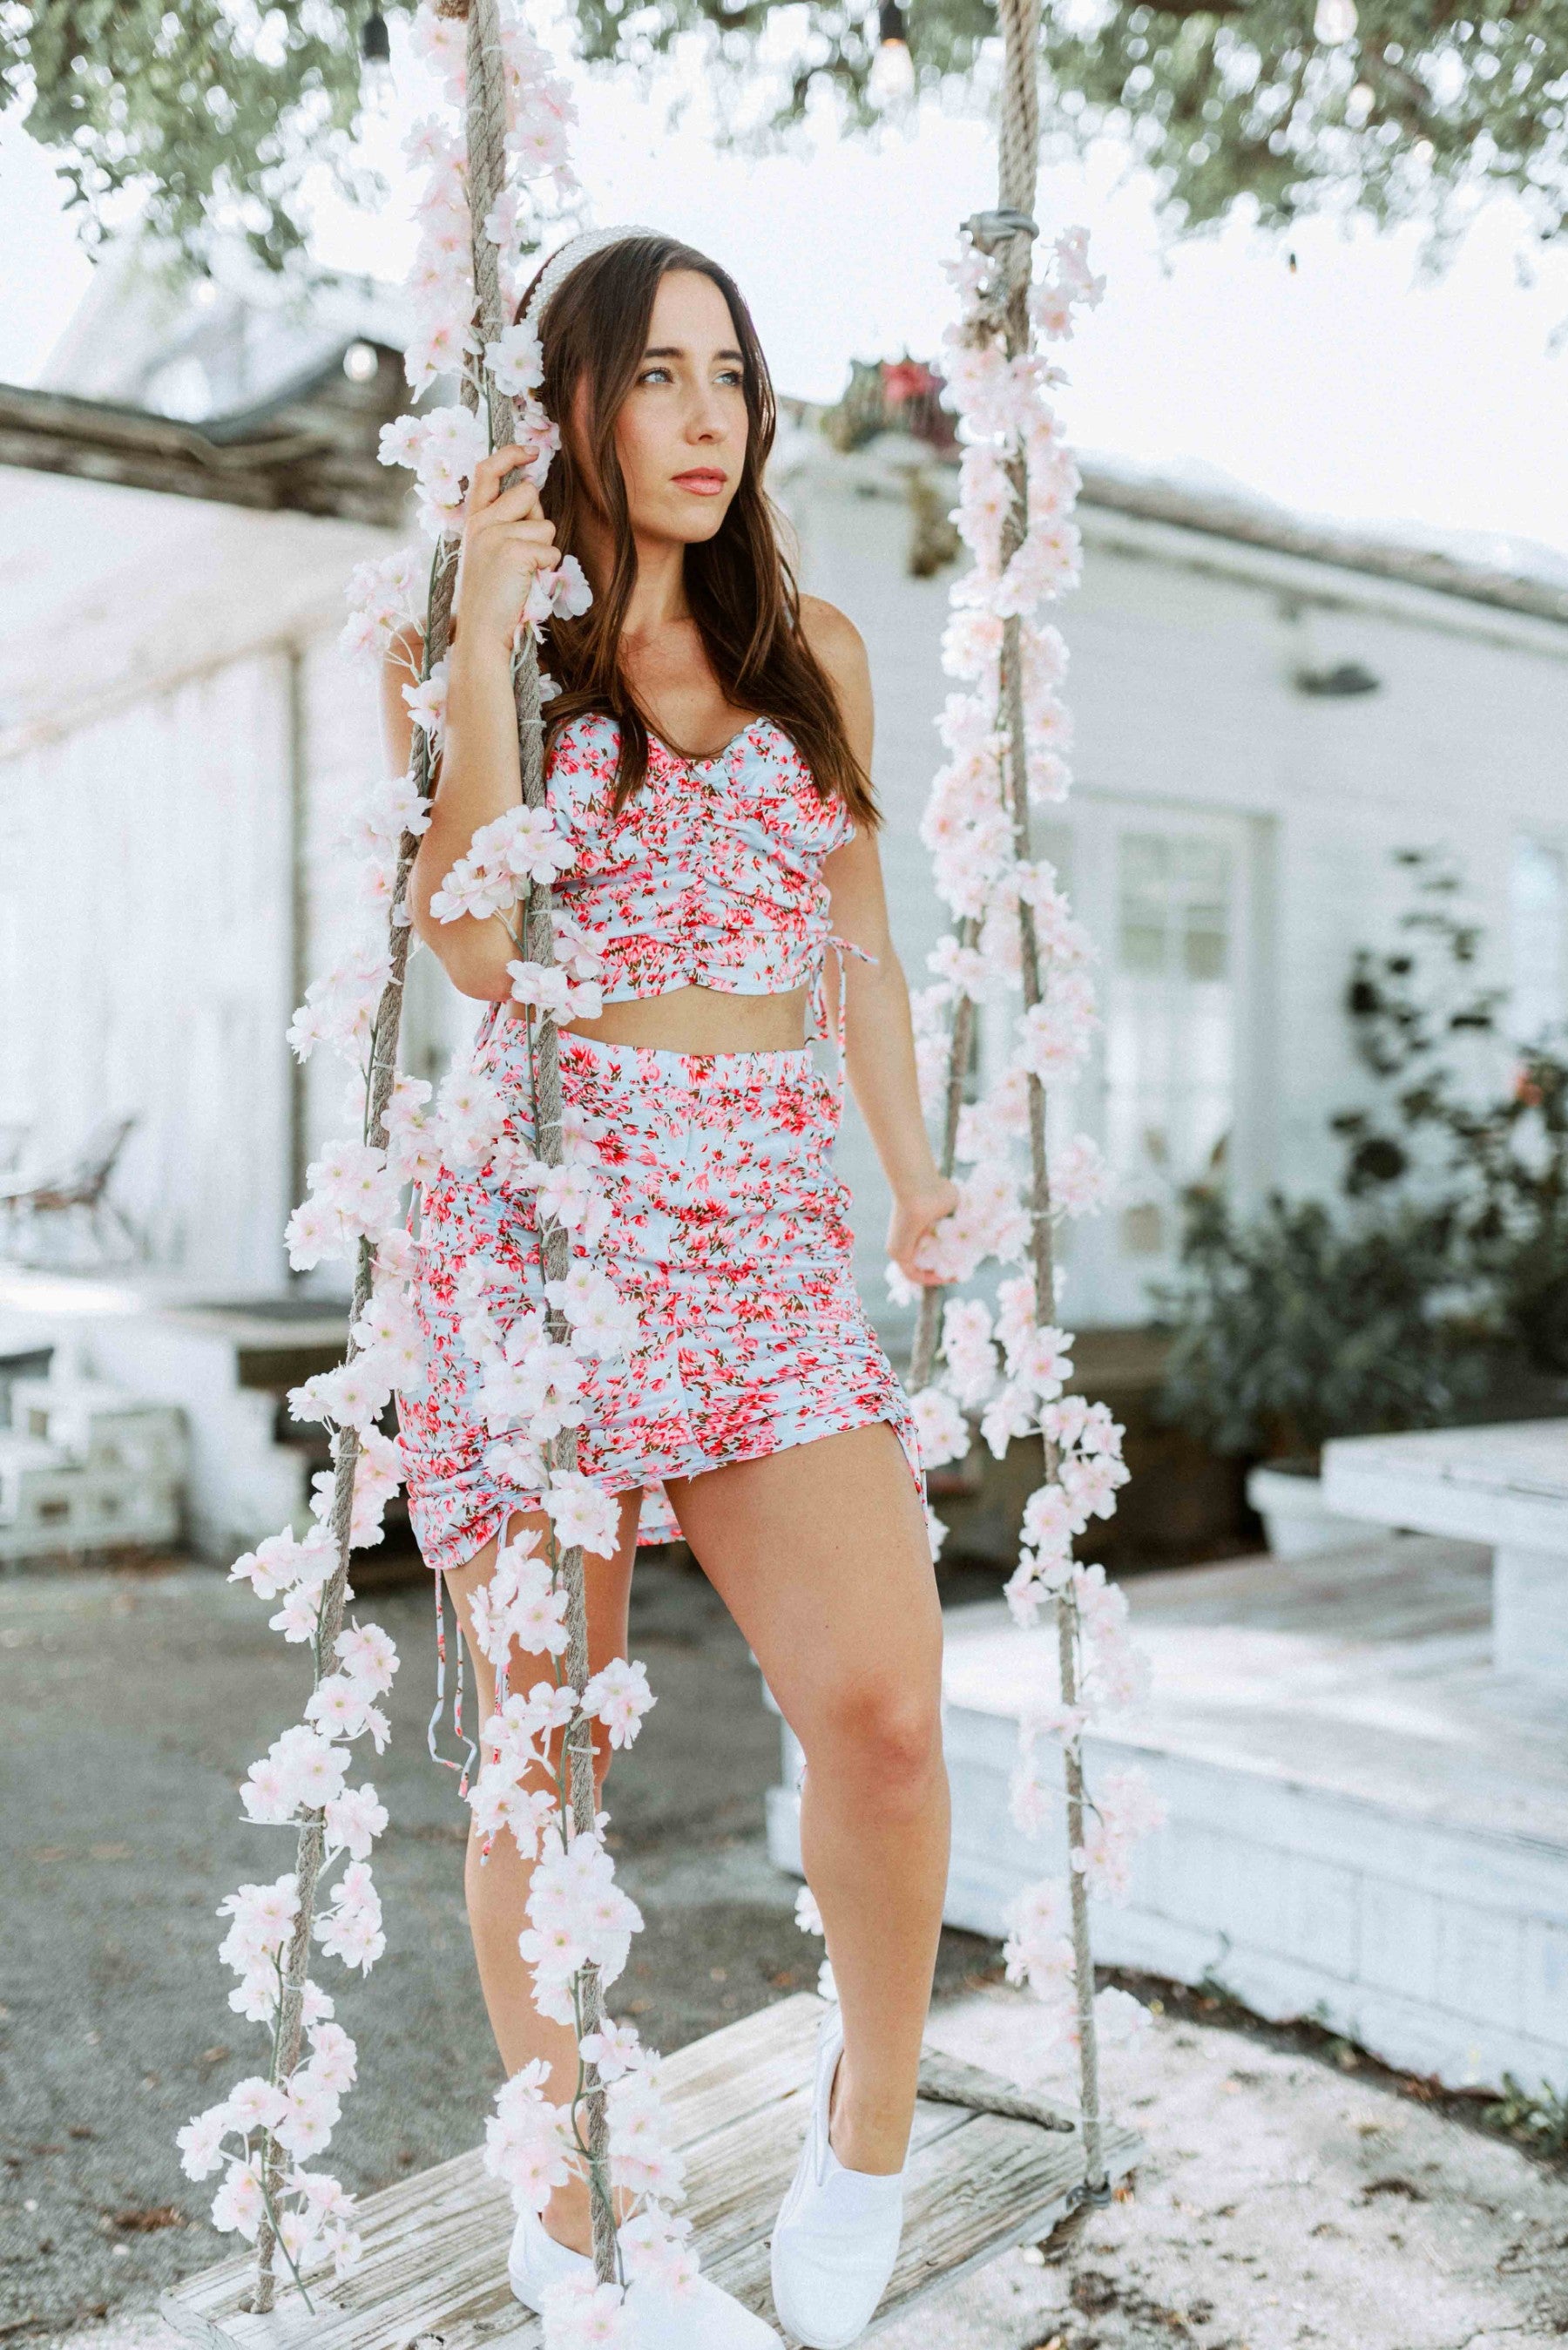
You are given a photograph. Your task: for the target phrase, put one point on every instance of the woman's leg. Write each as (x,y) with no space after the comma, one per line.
(497,1889)
(821,1556)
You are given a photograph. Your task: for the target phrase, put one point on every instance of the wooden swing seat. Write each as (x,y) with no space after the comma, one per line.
(434,2270)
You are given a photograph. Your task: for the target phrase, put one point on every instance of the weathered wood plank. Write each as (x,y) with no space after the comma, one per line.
(710,2085)
(435,2246)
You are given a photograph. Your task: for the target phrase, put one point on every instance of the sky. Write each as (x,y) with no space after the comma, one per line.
(1355,386)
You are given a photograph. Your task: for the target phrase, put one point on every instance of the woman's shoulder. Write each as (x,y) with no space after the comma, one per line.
(831,634)
(840,651)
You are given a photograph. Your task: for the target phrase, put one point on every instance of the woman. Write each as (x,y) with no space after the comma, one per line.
(712,878)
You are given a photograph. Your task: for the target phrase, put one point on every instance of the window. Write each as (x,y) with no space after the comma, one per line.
(1169,1015)
(1174,1089)
(1538,931)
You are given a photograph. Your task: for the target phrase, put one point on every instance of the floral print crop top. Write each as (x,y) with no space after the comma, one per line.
(711,876)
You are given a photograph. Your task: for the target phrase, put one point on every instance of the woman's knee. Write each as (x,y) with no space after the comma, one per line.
(882,1734)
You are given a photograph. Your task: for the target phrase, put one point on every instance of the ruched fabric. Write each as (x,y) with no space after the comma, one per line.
(711,876)
(727,1233)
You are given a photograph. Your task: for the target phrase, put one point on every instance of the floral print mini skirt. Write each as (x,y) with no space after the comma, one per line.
(727,1235)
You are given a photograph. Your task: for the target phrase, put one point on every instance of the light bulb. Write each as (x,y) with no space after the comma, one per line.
(376,64)
(891,82)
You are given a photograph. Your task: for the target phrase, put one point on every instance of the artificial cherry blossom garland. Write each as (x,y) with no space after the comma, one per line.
(1009,1363)
(533,1367)
(1017,486)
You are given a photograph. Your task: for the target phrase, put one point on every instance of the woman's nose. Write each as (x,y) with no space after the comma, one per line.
(705,419)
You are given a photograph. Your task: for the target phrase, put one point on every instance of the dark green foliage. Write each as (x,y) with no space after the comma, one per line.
(1238,103)
(1293,1327)
(1536,2119)
(1498,1158)
(1444,1264)
(214,110)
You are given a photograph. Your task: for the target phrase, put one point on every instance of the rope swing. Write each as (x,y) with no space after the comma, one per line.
(495,168)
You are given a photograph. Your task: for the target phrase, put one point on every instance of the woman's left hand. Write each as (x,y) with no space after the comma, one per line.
(915,1214)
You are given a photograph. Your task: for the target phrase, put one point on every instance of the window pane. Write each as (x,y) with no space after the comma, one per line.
(1169,1042)
(1539,927)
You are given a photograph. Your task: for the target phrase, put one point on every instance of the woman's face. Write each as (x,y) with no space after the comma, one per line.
(681,434)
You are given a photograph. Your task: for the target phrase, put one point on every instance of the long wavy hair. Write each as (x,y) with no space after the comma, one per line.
(741,585)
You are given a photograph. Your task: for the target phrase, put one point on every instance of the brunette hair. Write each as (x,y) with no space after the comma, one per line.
(742,590)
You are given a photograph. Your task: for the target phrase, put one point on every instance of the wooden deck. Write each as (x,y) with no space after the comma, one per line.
(435,2246)
(1367,1822)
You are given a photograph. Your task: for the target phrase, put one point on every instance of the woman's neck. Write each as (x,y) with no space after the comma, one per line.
(659,600)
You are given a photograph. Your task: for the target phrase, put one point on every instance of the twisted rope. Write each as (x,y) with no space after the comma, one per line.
(1008,233)
(486,176)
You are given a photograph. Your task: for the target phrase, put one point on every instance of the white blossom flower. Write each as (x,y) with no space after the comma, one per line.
(517,360)
(237,2206)
(200,2141)
(619,1696)
(583,1515)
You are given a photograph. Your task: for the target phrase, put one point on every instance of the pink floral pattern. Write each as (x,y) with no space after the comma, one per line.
(728,1232)
(711,876)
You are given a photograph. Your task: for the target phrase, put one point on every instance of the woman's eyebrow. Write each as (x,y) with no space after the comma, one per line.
(678,351)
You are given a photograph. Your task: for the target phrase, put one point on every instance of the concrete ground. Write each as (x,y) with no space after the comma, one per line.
(1282,2202)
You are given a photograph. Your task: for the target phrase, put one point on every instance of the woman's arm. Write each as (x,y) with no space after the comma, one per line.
(506,540)
(879,1053)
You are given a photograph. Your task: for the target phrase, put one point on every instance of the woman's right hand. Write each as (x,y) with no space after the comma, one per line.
(507,540)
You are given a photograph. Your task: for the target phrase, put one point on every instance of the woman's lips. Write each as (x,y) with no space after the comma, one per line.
(704,482)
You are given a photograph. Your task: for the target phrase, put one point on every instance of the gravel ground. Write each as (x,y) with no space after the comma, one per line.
(133,1704)
(1282,2202)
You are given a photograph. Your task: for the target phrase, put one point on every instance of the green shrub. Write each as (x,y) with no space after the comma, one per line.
(1444,1261)
(1291,1328)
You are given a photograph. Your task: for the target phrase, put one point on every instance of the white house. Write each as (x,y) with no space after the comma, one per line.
(1266,707)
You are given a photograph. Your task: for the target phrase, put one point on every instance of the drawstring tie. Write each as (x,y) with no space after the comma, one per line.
(819,995)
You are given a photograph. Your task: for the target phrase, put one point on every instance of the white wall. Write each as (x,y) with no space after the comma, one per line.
(145,949)
(145,867)
(1184,652)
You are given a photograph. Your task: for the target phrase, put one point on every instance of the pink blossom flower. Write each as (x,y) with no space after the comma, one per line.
(619,1696)
(580,2314)
(355,1819)
(614,2050)
(583,1516)
(940,1426)
(237,2206)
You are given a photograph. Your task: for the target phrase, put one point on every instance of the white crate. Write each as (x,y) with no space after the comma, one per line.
(87,1467)
(101,1427)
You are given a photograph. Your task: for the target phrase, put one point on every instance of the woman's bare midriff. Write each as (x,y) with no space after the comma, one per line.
(702,1020)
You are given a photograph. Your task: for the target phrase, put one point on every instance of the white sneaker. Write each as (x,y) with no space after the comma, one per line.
(536,2261)
(704,2319)
(837,2234)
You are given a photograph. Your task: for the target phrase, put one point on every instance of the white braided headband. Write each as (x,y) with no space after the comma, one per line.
(565,257)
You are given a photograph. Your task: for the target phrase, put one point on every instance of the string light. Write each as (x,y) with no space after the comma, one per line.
(892,80)
(376,62)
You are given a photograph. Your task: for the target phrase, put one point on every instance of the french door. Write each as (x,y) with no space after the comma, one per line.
(1173,1090)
